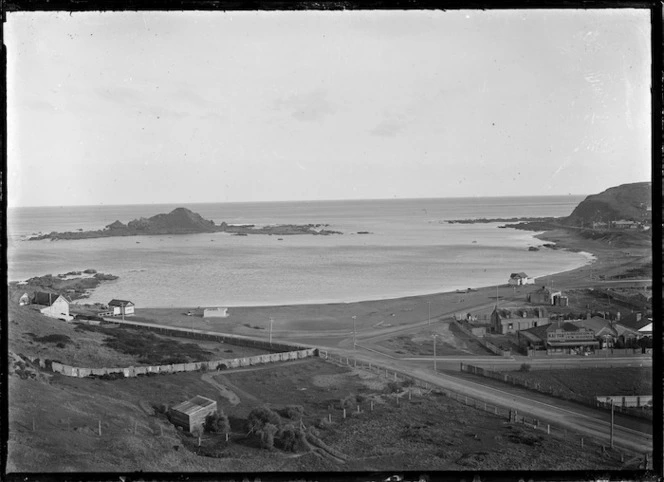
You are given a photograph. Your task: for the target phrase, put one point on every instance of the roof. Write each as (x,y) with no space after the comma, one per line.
(194,405)
(518,275)
(632,321)
(47,299)
(538,331)
(119,303)
(569,327)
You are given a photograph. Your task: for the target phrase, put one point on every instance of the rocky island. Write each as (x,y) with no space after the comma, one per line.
(184,221)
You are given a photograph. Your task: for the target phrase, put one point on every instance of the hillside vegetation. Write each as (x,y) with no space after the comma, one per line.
(628,201)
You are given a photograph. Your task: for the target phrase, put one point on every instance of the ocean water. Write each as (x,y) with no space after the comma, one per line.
(410,250)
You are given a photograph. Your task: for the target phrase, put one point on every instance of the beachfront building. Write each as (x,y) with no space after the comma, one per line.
(120,308)
(507,321)
(520,279)
(559,338)
(55,305)
(191,414)
(218,312)
(24,300)
(624,224)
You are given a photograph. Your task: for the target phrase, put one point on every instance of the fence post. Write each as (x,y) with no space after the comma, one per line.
(329,417)
(581,442)
(548,429)
(344,413)
(371,405)
(410,392)
(395,376)
(100,428)
(358,408)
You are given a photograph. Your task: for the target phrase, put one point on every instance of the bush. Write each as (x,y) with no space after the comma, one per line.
(292,412)
(525,367)
(408,382)
(266,435)
(217,422)
(259,417)
(393,387)
(347,402)
(291,439)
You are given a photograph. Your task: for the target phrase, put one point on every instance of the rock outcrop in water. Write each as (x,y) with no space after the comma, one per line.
(184,221)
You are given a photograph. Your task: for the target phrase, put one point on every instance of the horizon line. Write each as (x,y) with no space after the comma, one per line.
(294,201)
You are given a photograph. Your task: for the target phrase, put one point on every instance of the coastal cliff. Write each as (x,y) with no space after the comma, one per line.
(629,202)
(184,221)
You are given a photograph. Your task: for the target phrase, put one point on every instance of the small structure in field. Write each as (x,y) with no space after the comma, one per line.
(24,300)
(121,308)
(192,413)
(56,305)
(546,296)
(218,312)
(520,279)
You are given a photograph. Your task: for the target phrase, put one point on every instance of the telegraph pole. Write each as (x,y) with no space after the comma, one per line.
(435,368)
(354,333)
(612,423)
(429,303)
(271,320)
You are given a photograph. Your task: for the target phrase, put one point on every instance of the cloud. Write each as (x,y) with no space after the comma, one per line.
(306,107)
(389,127)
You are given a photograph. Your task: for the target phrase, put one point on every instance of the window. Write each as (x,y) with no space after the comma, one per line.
(509,326)
(534,324)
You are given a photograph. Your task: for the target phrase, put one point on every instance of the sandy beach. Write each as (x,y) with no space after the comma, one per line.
(331,323)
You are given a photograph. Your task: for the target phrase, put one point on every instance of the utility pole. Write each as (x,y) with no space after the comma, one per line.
(612,423)
(354,333)
(271,320)
(429,303)
(435,368)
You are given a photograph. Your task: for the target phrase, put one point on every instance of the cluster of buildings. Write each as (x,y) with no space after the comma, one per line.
(537,331)
(55,305)
(620,224)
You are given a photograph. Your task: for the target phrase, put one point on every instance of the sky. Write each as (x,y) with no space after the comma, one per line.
(189,107)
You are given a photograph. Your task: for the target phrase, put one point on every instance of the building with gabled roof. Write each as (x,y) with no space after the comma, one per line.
(55,305)
(192,414)
(121,308)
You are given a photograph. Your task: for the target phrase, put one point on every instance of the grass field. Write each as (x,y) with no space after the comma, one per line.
(56,421)
(591,382)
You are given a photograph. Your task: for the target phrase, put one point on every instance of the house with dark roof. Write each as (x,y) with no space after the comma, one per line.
(559,338)
(546,296)
(507,321)
(120,308)
(55,305)
(519,279)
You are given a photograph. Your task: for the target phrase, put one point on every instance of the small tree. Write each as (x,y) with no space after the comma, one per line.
(259,417)
(525,367)
(266,434)
(291,439)
(217,422)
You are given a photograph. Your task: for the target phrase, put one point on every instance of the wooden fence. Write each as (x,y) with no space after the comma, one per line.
(132,371)
(549,390)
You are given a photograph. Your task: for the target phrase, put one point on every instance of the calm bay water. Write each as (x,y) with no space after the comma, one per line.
(410,250)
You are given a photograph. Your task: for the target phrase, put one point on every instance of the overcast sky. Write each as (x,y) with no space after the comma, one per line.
(173,107)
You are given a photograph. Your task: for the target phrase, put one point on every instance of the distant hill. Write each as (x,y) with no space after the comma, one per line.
(630,202)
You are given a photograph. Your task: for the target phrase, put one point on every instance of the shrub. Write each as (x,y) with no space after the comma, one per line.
(291,439)
(259,417)
(393,387)
(217,422)
(292,412)
(347,402)
(525,367)
(408,382)
(266,434)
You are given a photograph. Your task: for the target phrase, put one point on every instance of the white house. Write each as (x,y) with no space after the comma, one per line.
(215,312)
(56,306)
(24,300)
(519,279)
(121,308)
